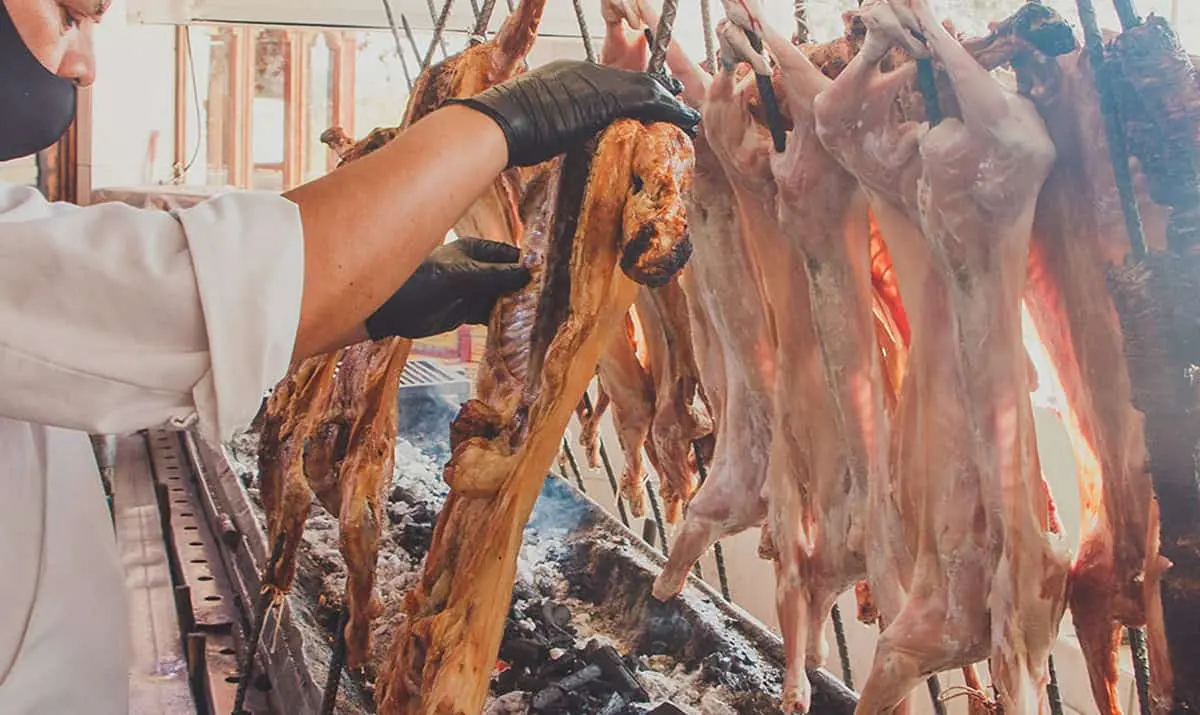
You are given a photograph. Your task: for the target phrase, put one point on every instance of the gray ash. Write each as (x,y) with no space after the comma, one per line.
(583,636)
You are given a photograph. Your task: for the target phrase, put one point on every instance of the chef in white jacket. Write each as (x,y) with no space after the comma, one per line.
(114,319)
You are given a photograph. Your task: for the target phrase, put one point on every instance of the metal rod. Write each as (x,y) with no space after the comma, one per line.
(412,39)
(935,694)
(839,633)
(439,32)
(1127,14)
(1053,694)
(475,8)
(766,92)
(581,18)
(802,35)
(656,510)
(928,85)
(337,663)
(387,8)
(484,18)
(574,465)
(710,49)
(662,37)
(1141,668)
(1118,152)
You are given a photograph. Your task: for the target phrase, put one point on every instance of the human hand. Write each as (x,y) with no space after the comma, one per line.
(458,284)
(546,111)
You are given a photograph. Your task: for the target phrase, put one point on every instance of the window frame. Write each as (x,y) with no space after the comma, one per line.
(235,121)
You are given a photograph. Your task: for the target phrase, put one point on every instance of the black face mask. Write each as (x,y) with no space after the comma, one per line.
(36,106)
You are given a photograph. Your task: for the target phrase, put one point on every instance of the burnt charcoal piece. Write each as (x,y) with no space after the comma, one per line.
(616,670)
(552,695)
(664,630)
(524,652)
(727,669)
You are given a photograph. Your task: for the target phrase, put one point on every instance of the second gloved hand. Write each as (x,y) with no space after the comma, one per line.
(458,284)
(548,110)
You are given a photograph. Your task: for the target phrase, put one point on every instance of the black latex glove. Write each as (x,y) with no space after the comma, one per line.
(548,110)
(459,283)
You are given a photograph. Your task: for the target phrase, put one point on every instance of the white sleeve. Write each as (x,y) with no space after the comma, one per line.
(114,319)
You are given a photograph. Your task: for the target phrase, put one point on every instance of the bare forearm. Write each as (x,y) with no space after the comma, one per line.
(368,225)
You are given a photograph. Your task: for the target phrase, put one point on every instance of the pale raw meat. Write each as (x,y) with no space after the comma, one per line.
(956,204)
(829,432)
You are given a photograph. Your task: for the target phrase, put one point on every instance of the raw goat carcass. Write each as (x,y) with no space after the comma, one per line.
(582,245)
(331,425)
(955,204)
(733,349)
(829,430)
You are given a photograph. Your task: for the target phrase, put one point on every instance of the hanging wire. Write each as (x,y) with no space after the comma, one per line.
(1118,152)
(179,173)
(710,49)
(408,78)
(581,17)
(662,36)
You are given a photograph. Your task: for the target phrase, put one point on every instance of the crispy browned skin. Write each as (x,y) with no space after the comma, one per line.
(445,647)
(331,426)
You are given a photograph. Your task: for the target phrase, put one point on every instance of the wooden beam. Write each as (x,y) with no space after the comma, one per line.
(240,131)
(345,57)
(295,105)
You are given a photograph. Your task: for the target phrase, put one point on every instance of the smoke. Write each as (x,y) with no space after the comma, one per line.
(558,508)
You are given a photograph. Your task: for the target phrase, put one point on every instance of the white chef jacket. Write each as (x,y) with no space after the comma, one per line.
(115,319)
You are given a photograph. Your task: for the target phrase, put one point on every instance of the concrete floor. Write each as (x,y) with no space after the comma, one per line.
(752,580)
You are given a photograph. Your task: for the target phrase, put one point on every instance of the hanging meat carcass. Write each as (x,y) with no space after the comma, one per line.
(607,215)
(1078,236)
(330,426)
(956,204)
(653,383)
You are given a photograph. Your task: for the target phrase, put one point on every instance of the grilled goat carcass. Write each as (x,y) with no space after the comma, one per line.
(580,244)
(680,418)
(1078,235)
(331,426)
(990,570)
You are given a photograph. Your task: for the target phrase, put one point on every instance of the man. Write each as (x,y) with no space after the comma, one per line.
(114,319)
